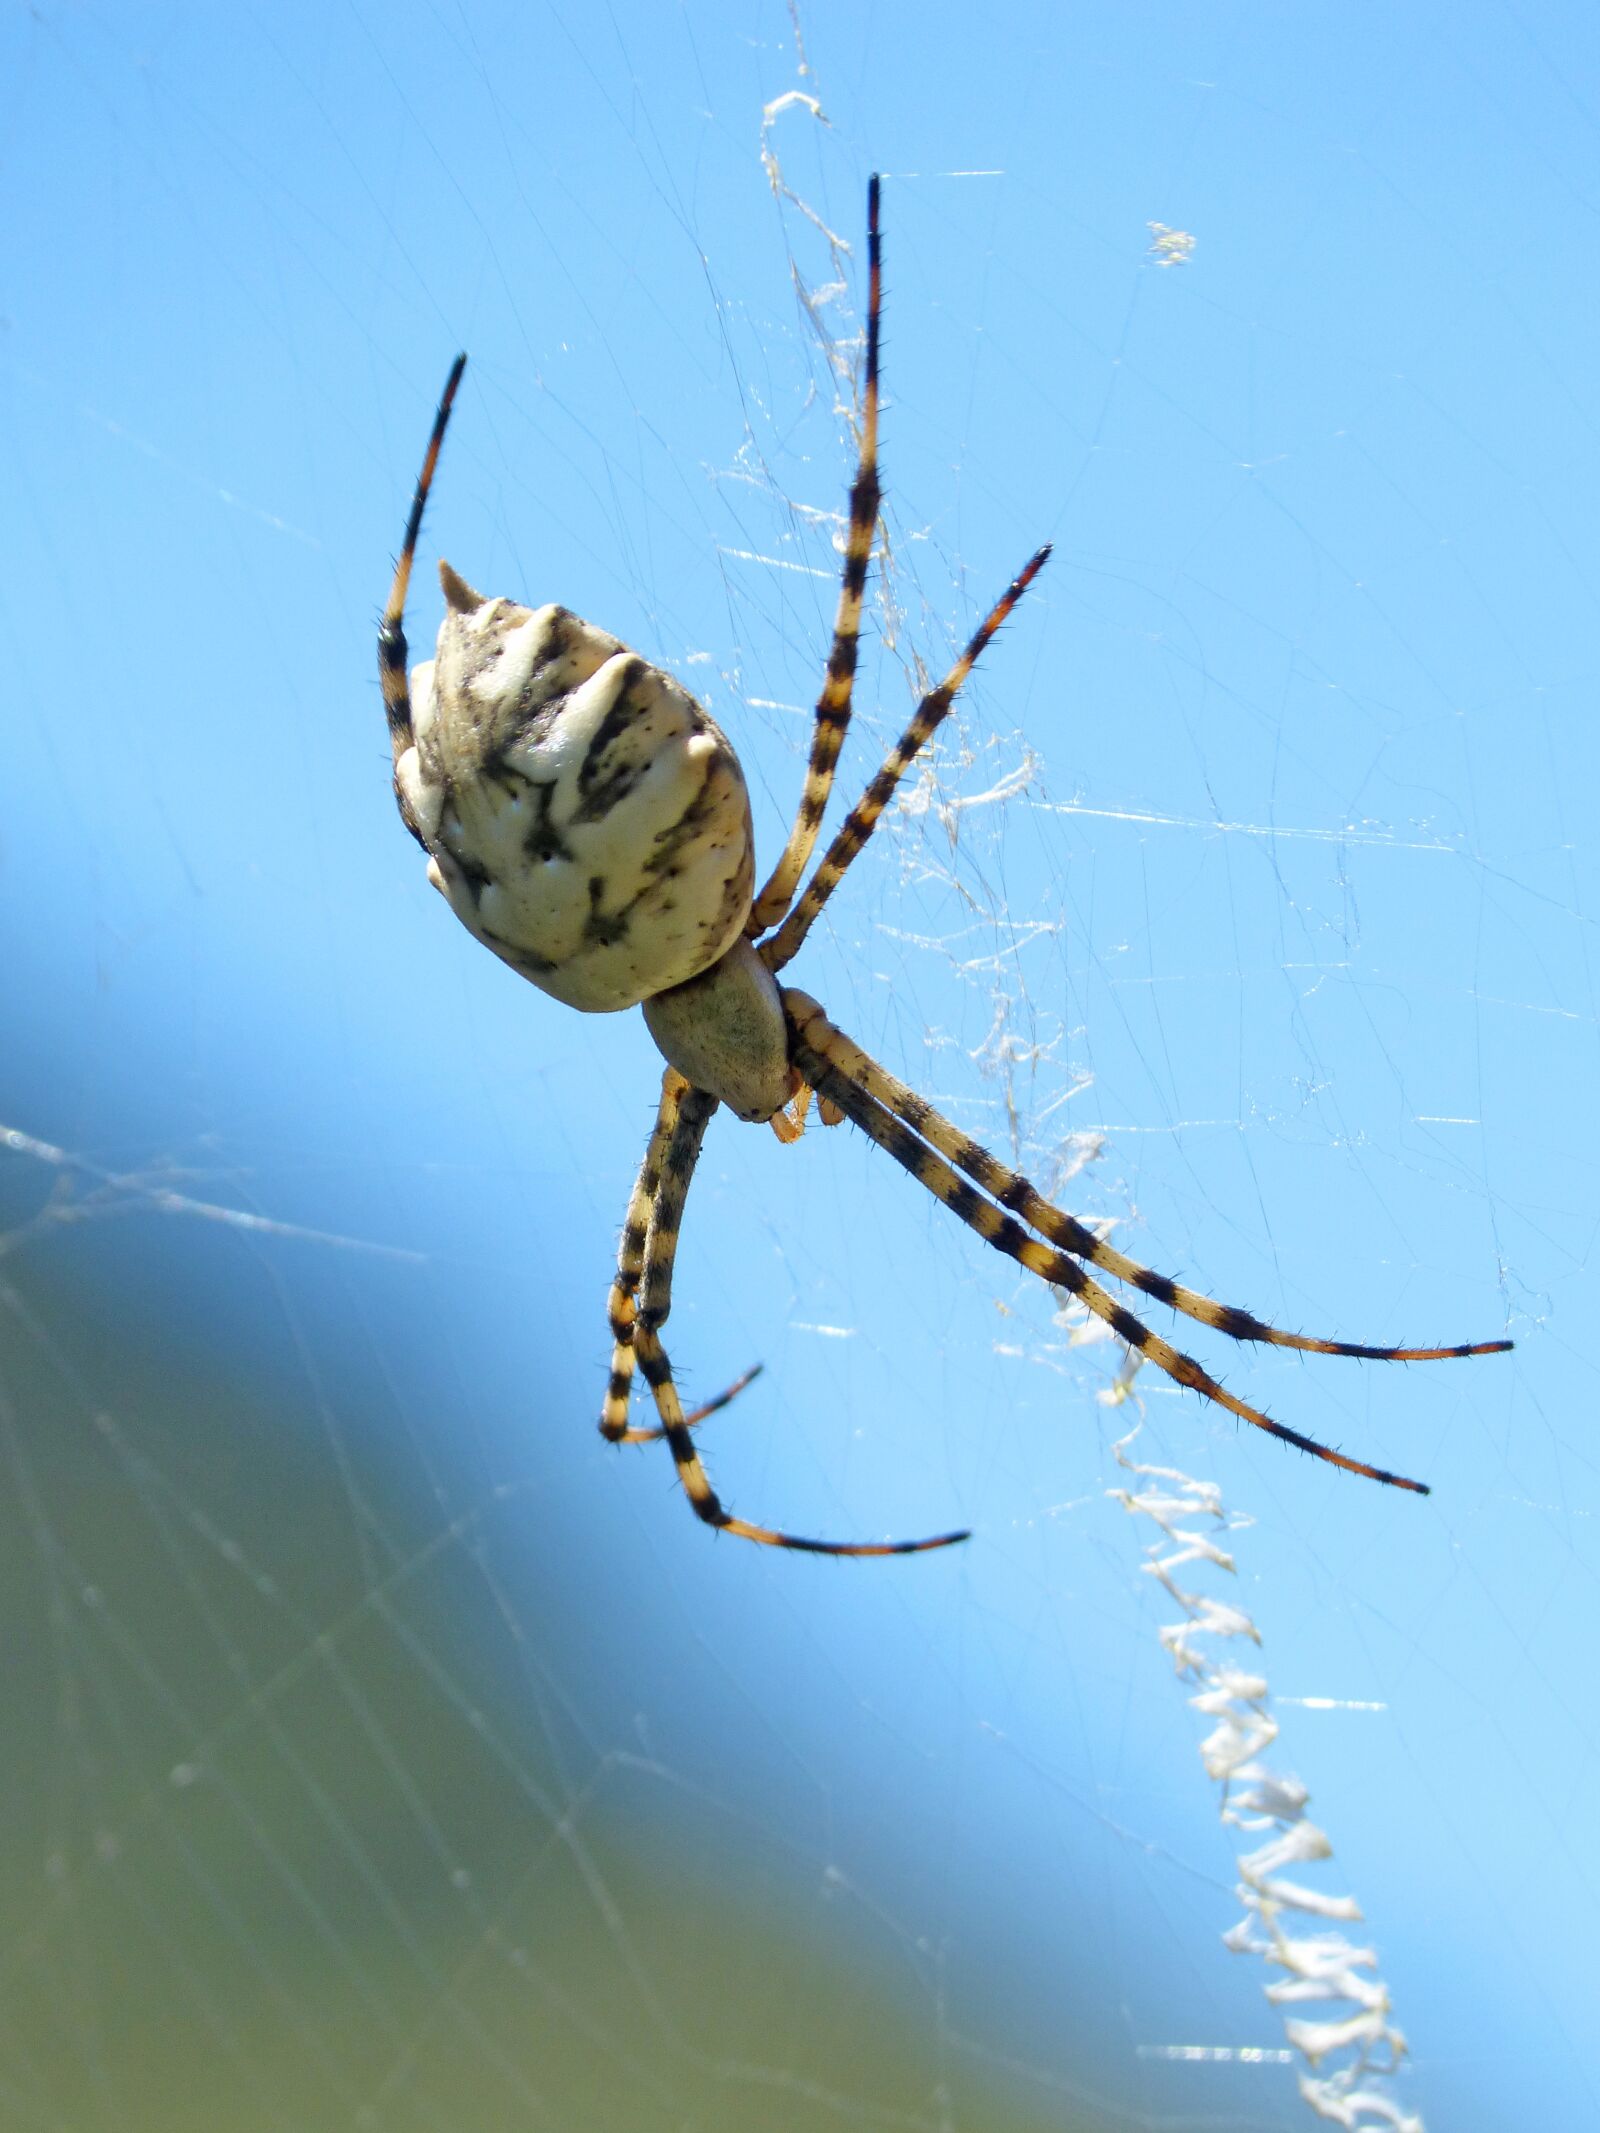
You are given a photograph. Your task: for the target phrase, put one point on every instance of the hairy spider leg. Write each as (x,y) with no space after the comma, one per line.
(654,1305)
(1022,1198)
(862,819)
(391,631)
(713,1406)
(1007,1235)
(614,1425)
(630,1265)
(833,705)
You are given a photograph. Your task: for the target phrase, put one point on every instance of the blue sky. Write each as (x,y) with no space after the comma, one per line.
(1288,910)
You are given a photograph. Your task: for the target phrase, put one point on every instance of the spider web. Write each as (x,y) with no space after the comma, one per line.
(383,1752)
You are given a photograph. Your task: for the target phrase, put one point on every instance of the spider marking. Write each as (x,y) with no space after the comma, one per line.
(635,885)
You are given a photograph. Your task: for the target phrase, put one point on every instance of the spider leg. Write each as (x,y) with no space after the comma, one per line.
(391,631)
(614,1426)
(696,1415)
(714,1406)
(630,1266)
(655,1303)
(833,706)
(931,1170)
(862,819)
(1016,1193)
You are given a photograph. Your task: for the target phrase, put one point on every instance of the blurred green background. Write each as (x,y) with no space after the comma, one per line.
(324,1812)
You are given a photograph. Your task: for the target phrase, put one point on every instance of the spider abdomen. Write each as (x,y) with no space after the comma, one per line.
(584,816)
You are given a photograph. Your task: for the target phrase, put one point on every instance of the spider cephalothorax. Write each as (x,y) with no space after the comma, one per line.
(589,822)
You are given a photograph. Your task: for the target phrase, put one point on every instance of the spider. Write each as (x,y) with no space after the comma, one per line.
(586,819)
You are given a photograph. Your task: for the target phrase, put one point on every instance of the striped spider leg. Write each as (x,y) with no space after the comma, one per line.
(908,1127)
(693,1110)
(587,820)
(663,1150)
(832,715)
